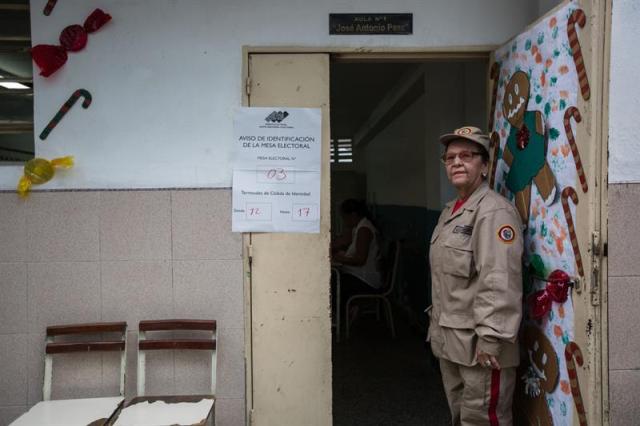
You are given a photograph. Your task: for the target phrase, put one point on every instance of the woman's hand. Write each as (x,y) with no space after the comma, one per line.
(487,361)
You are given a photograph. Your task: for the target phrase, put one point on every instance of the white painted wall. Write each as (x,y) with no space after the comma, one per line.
(624,94)
(166,76)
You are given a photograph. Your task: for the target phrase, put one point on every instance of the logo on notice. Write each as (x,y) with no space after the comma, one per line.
(277,116)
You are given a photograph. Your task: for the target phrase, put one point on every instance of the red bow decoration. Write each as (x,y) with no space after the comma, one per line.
(523,137)
(556,290)
(73,38)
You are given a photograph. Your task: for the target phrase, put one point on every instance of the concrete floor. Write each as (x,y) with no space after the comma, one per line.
(382,381)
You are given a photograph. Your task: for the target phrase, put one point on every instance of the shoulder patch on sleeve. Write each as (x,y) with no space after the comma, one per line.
(506,234)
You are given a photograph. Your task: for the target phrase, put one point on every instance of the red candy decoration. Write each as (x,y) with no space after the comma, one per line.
(539,304)
(556,290)
(73,38)
(96,20)
(558,287)
(48,58)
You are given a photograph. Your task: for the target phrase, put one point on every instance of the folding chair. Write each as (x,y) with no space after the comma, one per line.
(394,260)
(85,411)
(171,409)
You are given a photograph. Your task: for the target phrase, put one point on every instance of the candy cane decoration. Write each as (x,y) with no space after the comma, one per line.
(573,112)
(572,351)
(495,147)
(495,77)
(567,193)
(65,108)
(49,7)
(578,17)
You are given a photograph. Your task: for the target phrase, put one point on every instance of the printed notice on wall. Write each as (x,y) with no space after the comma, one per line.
(276,170)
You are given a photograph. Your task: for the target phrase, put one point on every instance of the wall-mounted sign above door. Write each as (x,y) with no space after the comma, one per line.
(370,23)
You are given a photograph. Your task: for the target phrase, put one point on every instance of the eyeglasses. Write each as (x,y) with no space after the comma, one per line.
(465,157)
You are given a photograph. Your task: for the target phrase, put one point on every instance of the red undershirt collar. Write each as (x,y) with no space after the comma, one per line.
(458,204)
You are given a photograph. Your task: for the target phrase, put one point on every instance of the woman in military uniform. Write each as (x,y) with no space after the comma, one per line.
(475,255)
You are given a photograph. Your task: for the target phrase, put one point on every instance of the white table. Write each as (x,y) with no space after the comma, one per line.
(166,410)
(70,412)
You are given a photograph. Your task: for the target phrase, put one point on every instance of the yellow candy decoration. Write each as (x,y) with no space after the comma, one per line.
(38,171)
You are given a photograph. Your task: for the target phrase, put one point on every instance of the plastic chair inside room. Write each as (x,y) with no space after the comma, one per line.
(391,263)
(82,411)
(172,409)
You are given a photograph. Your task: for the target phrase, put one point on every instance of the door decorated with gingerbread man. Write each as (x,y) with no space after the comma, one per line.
(546,158)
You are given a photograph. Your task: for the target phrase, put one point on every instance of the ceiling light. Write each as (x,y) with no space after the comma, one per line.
(13,85)
(18,86)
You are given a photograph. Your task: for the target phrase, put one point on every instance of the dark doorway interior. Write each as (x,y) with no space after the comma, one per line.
(385,121)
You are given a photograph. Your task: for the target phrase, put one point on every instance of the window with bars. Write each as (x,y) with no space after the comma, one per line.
(342,150)
(16,83)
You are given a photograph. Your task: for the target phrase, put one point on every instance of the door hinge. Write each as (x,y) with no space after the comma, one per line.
(252,417)
(250,254)
(577,284)
(247,86)
(595,268)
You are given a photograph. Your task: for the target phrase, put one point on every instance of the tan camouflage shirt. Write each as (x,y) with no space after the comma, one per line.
(476,278)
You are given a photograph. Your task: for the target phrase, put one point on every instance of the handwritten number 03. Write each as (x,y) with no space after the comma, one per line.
(277,174)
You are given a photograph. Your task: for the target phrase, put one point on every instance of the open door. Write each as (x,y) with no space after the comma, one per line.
(546,119)
(290,273)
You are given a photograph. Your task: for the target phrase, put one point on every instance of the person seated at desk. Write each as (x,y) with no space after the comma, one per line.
(356,256)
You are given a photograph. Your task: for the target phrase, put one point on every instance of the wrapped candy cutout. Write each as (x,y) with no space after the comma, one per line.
(556,290)
(73,38)
(96,20)
(539,304)
(48,58)
(558,287)
(38,171)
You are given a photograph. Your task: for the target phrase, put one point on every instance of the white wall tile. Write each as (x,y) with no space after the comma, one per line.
(624,340)
(13,228)
(63,293)
(13,369)
(230,412)
(624,388)
(77,375)
(35,367)
(63,226)
(135,225)
(9,414)
(231,365)
(624,234)
(134,291)
(160,377)
(209,290)
(201,222)
(13,298)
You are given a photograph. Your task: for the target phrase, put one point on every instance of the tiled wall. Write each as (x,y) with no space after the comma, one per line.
(624,304)
(111,256)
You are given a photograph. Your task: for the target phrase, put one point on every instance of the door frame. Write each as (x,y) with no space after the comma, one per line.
(416,54)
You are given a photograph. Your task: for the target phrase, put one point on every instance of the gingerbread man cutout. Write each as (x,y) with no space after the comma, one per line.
(538,376)
(525,151)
